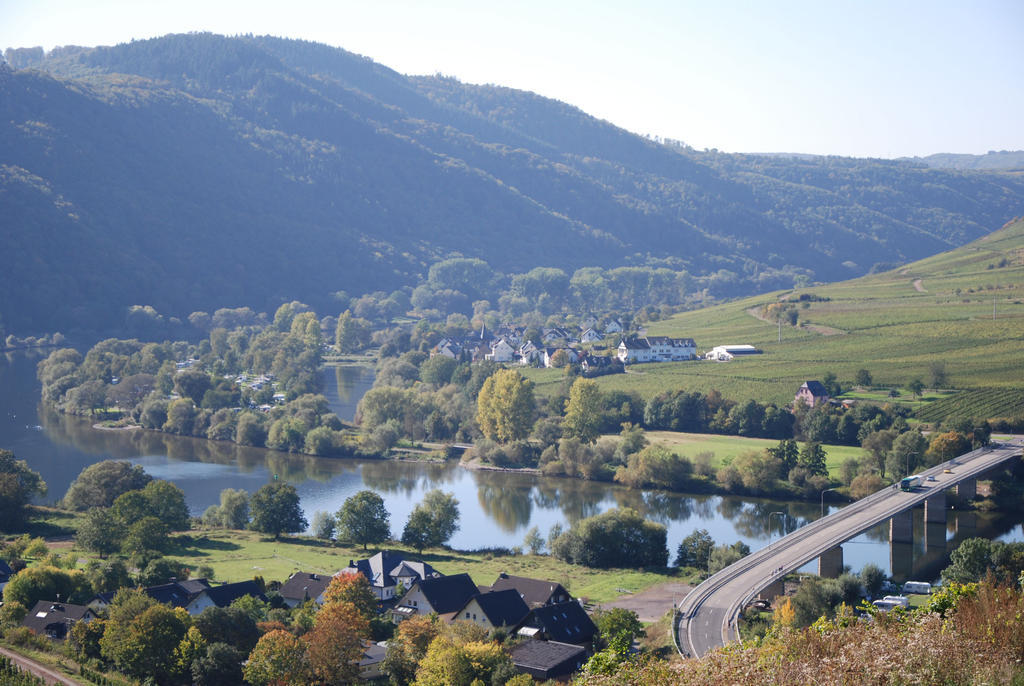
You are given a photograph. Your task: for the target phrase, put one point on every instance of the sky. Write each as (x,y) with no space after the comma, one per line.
(865,78)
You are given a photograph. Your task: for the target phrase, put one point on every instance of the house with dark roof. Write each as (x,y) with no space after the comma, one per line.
(304,586)
(812,393)
(566,622)
(534,592)
(635,349)
(545,660)
(55,619)
(494,609)
(443,595)
(176,593)
(390,574)
(223,595)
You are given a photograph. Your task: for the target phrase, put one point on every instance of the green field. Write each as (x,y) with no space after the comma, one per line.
(982,402)
(724,448)
(880,322)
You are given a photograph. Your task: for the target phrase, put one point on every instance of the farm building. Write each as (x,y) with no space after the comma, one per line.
(724,353)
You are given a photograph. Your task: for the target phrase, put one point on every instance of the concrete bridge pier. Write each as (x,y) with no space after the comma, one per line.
(772,591)
(901,561)
(935,509)
(830,564)
(901,527)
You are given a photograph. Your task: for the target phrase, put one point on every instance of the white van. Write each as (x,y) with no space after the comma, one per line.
(886,605)
(918,587)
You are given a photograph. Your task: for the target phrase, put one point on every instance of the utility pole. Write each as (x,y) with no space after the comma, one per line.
(780,326)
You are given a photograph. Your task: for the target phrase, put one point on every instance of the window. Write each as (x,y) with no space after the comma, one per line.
(467,615)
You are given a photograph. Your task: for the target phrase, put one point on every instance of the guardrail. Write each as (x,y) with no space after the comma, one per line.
(692,603)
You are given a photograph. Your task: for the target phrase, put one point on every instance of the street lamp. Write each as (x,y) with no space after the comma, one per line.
(823,499)
(781,514)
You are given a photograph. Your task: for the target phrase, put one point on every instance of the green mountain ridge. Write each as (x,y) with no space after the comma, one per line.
(192,172)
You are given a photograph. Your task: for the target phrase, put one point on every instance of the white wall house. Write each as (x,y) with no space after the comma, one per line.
(656,349)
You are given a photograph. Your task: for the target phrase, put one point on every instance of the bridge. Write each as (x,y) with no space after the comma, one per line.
(709,613)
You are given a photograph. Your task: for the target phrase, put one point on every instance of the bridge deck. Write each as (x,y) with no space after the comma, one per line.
(710,611)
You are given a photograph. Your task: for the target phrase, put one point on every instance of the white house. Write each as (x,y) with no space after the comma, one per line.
(590,336)
(501,351)
(613,326)
(656,349)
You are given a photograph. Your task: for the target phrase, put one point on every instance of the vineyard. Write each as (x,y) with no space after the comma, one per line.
(982,403)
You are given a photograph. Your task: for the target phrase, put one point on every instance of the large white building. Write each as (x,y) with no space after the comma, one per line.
(656,349)
(724,353)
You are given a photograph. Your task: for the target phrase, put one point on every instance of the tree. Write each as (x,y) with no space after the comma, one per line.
(788,453)
(45,582)
(863,378)
(916,387)
(162,570)
(147,646)
(447,662)
(364,519)
(433,521)
(618,627)
(323,525)
(695,550)
(505,406)
(98,532)
(275,510)
(18,484)
(617,538)
(231,625)
(724,555)
(812,458)
(583,411)
(146,534)
(408,646)
(937,374)
(279,659)
(872,577)
(355,590)
(533,541)
(219,665)
(167,503)
(908,450)
(335,645)
(946,446)
(100,484)
(970,561)
(234,508)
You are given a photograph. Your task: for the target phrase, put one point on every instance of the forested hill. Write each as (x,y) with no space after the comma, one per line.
(196,171)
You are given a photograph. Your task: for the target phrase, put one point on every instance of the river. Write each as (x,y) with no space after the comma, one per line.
(497,508)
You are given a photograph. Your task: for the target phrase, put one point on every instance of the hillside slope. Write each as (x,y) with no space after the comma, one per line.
(895,325)
(196,171)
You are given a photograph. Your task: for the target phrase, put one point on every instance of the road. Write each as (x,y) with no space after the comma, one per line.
(49,675)
(709,612)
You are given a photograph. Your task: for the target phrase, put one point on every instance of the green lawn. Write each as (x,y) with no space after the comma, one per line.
(239,555)
(725,448)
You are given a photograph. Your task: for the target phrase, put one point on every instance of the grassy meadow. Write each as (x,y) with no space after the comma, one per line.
(882,322)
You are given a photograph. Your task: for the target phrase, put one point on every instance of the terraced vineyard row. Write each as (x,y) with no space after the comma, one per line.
(982,403)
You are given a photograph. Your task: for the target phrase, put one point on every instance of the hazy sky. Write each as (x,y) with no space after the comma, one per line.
(855,77)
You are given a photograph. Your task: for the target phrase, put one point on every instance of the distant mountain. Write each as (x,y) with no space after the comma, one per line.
(1003,160)
(193,172)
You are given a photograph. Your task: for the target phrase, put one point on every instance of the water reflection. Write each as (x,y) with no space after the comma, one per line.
(497,508)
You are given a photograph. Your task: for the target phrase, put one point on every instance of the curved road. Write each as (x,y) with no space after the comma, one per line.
(709,612)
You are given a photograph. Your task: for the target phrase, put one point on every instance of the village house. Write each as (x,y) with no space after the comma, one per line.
(590,336)
(390,573)
(812,393)
(443,595)
(545,660)
(534,592)
(501,351)
(565,622)
(494,609)
(613,326)
(305,586)
(54,619)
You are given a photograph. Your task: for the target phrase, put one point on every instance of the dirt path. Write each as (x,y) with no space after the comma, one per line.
(651,604)
(51,676)
(918,287)
(755,312)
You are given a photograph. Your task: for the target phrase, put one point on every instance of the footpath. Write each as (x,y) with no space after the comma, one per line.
(50,676)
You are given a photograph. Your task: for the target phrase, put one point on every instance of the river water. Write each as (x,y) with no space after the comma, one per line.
(497,508)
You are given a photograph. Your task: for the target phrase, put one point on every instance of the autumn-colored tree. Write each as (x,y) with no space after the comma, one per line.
(279,659)
(447,663)
(784,614)
(583,411)
(335,645)
(146,645)
(353,589)
(505,406)
(946,446)
(408,646)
